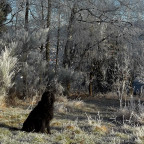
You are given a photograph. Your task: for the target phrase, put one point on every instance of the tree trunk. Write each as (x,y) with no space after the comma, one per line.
(58,43)
(24,74)
(68,86)
(42,18)
(69,43)
(16,21)
(25,52)
(48,36)
(90,85)
(26,15)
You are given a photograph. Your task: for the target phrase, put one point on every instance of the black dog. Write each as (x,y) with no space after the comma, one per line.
(40,117)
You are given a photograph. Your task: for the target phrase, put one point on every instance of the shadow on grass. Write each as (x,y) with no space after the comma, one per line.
(104,102)
(2,125)
(102,106)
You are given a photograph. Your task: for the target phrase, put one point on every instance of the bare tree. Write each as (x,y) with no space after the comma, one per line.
(69,43)
(48,26)
(26,15)
(58,41)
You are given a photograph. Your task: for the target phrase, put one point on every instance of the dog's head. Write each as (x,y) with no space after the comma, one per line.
(48,98)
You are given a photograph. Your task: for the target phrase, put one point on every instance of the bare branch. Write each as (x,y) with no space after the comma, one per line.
(11,20)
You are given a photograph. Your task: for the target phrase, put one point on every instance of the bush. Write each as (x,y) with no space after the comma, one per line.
(8,64)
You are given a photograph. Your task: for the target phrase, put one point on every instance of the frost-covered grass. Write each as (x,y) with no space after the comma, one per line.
(86,123)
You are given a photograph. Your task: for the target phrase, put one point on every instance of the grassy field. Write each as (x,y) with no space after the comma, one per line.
(75,122)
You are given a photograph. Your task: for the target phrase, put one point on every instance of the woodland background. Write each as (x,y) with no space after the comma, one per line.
(90,52)
(90,46)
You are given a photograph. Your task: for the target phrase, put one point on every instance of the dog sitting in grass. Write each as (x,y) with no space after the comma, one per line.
(40,117)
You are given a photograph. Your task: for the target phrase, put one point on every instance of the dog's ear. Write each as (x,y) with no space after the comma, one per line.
(51,98)
(44,97)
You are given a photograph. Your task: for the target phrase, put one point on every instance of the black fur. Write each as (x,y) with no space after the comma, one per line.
(40,117)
